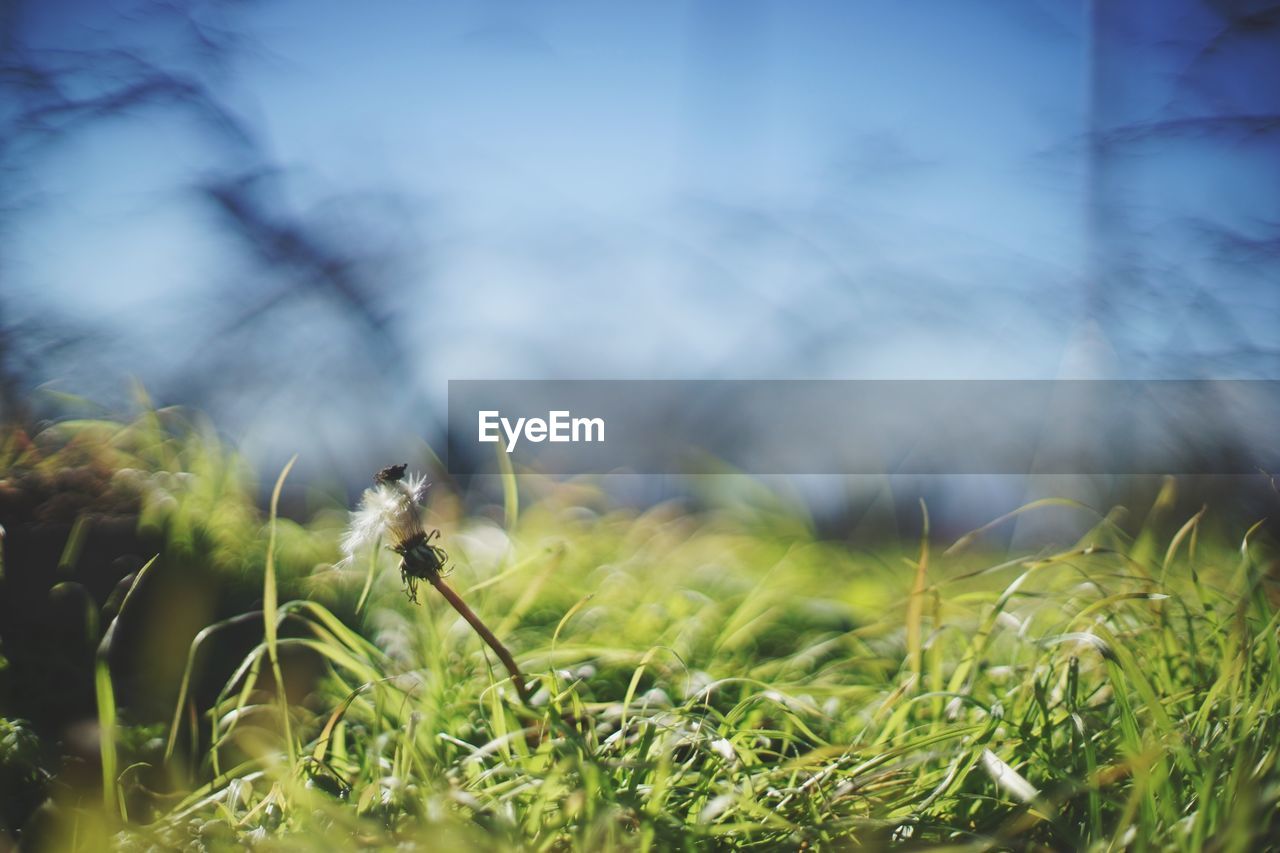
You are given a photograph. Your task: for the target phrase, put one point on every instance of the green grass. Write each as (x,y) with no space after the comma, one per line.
(723,679)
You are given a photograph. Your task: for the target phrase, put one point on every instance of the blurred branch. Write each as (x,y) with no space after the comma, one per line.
(1239,126)
(173,55)
(289,245)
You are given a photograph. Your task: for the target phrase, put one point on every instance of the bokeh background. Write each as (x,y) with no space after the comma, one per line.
(305,217)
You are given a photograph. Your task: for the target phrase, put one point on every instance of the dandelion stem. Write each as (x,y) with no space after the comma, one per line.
(517,677)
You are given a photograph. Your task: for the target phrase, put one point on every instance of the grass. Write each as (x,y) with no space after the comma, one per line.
(105,694)
(723,679)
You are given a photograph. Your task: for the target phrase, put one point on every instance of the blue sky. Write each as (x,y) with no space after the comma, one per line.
(661,189)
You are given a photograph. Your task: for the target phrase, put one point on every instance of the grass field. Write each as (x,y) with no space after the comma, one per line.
(714,679)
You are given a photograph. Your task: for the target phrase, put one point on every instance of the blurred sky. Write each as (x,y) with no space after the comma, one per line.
(749,189)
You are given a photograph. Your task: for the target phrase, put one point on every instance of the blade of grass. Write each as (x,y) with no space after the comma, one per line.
(107,716)
(510,489)
(270,605)
(374,552)
(192,650)
(915,605)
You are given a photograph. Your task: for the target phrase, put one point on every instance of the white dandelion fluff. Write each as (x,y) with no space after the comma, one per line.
(390,512)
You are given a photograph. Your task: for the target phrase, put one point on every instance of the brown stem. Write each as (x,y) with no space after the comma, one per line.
(517,677)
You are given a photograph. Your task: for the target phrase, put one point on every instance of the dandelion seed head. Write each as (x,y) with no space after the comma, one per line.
(391,511)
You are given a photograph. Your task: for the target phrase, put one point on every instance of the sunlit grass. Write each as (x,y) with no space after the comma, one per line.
(722,678)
